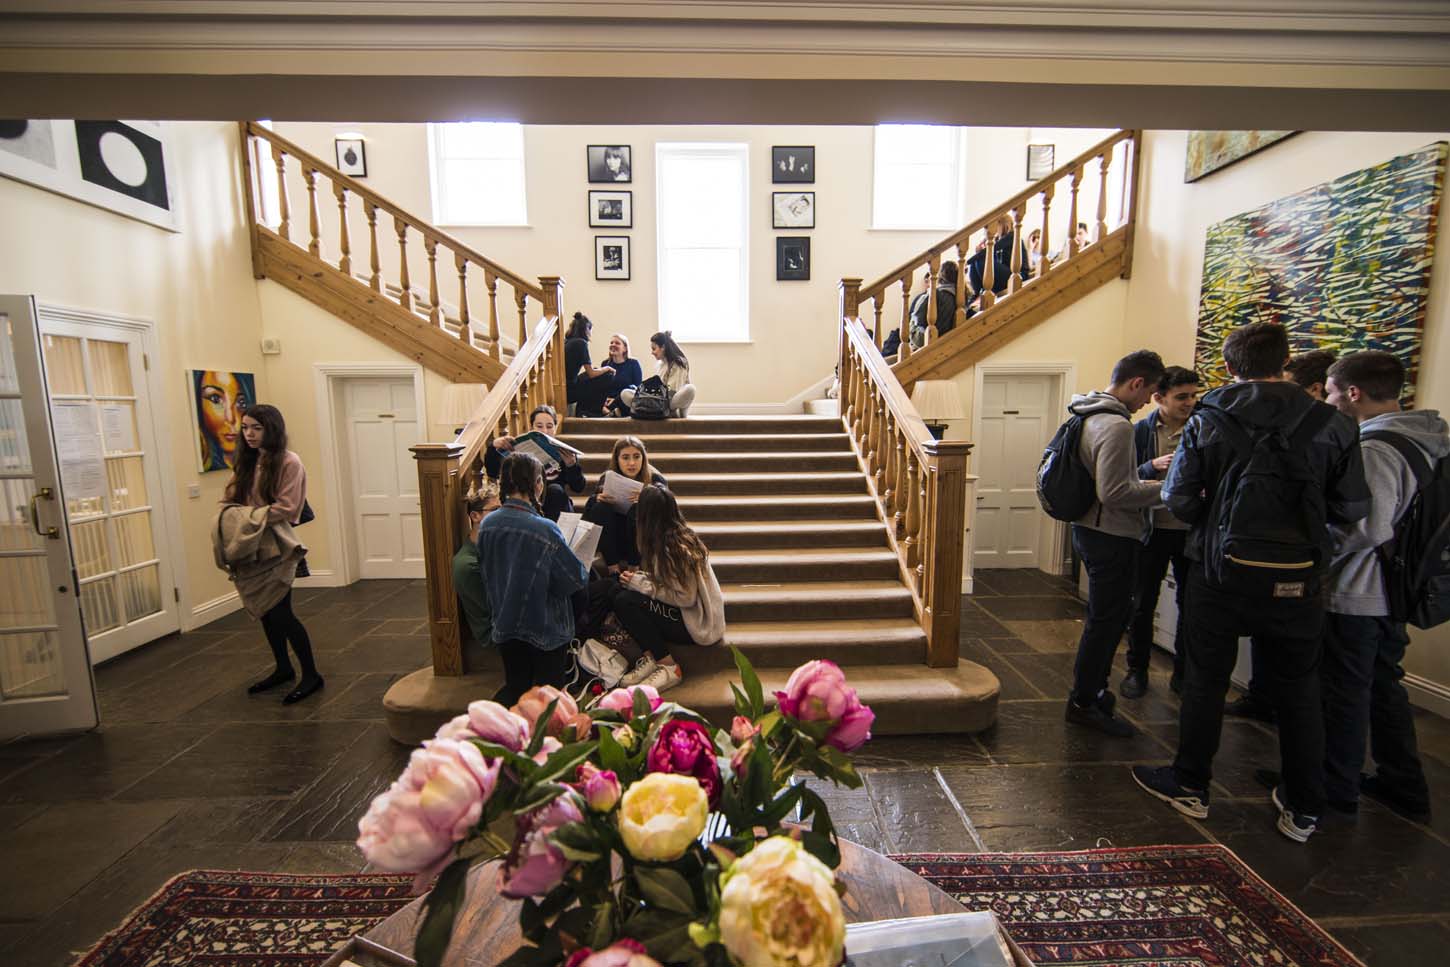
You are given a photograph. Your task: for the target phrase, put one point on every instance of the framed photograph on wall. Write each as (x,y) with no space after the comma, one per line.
(611,257)
(609,163)
(1040,160)
(793,209)
(352,158)
(793,164)
(793,258)
(611,209)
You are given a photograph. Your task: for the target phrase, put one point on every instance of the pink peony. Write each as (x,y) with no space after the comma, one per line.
(621,700)
(621,953)
(817,692)
(599,787)
(535,865)
(491,722)
(549,746)
(741,729)
(566,719)
(684,747)
(435,802)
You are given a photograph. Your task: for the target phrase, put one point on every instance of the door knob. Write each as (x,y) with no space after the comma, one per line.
(44,493)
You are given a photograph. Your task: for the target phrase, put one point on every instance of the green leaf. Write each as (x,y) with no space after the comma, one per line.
(769,721)
(601,927)
(822,847)
(665,888)
(611,754)
(751,681)
(814,806)
(539,795)
(843,770)
(773,814)
(742,704)
(664,933)
(536,741)
(564,762)
(641,703)
(440,910)
(532,923)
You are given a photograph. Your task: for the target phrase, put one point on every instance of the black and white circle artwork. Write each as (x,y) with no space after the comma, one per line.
(32,140)
(118,157)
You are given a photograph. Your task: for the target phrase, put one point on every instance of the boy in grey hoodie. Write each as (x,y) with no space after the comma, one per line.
(1108,537)
(1363,698)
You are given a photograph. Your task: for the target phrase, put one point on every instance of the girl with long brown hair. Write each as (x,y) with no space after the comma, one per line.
(269,475)
(673,598)
(617,535)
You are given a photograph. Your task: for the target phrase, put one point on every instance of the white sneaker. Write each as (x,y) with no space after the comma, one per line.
(664,678)
(642,670)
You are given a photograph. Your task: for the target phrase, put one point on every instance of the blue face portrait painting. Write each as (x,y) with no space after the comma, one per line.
(220,398)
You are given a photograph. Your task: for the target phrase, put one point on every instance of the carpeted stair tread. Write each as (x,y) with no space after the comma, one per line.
(803,600)
(790,564)
(670,464)
(779,484)
(714,442)
(707,509)
(786,423)
(787,534)
(788,644)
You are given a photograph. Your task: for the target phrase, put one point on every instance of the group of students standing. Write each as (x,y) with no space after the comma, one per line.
(1271,498)
(609,389)
(525,592)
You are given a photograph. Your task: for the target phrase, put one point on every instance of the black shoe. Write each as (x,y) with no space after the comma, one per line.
(1094,717)
(278,677)
(1175,683)
(1107,701)
(1414,809)
(1250,708)
(1161,782)
(1135,684)
(1295,825)
(304,689)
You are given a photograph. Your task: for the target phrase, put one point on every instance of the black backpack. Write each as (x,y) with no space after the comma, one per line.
(1266,531)
(651,401)
(1065,486)
(1416,560)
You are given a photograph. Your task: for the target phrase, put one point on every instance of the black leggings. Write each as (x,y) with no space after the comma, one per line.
(282,626)
(617,541)
(652,623)
(525,666)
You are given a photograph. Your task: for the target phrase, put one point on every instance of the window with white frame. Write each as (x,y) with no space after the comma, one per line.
(478,173)
(702,216)
(918,177)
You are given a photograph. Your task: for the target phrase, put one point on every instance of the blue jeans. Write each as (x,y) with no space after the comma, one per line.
(1112,563)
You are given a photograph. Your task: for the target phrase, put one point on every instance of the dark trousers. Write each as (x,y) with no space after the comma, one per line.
(617,541)
(281,626)
(1111,562)
(1365,704)
(1258,677)
(1163,548)
(1288,634)
(589,395)
(556,502)
(650,622)
(525,666)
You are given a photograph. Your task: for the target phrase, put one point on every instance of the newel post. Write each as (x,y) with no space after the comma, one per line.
(947,517)
(441,502)
(850,303)
(553,287)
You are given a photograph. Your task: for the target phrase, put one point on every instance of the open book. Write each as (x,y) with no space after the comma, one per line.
(619,490)
(547,449)
(581,536)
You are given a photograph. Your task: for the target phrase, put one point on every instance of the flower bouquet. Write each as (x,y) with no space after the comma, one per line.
(599,818)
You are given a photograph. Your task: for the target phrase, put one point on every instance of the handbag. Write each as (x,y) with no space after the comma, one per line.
(307,516)
(599,661)
(651,401)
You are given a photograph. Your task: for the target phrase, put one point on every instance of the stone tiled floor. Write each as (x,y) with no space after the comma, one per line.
(189,772)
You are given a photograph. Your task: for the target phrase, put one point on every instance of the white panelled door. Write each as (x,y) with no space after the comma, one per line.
(45,671)
(382,422)
(1015,423)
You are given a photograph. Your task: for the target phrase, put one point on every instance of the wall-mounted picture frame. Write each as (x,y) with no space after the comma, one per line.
(611,257)
(609,164)
(352,157)
(793,258)
(611,209)
(792,209)
(1040,160)
(793,165)
(219,400)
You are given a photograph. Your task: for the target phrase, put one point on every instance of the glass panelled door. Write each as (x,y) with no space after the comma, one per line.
(104,437)
(45,672)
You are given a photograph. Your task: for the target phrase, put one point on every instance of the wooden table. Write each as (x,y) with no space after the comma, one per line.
(487,928)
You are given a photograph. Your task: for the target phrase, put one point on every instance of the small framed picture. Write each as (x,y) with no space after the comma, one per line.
(793,165)
(611,209)
(352,158)
(793,209)
(611,257)
(609,163)
(1040,160)
(793,258)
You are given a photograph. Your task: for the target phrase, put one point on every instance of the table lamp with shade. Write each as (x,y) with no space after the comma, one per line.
(460,402)
(937,400)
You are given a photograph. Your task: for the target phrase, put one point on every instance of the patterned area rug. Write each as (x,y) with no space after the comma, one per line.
(1155,906)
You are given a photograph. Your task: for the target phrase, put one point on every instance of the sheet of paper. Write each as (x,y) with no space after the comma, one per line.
(522,445)
(619,490)
(78,447)
(118,430)
(581,536)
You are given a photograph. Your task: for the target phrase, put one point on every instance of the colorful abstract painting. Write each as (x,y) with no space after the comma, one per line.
(1344,265)
(1209,151)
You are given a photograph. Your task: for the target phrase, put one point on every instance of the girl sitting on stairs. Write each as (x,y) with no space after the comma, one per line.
(617,535)
(673,369)
(559,483)
(674,598)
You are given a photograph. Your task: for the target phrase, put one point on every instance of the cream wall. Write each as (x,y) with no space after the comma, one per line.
(195,286)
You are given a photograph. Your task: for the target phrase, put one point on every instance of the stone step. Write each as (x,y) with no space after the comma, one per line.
(791,534)
(745,509)
(732,463)
(788,423)
(787,644)
(816,600)
(784,565)
(777,484)
(712,442)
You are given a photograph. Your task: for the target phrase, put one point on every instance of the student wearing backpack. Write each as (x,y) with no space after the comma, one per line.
(946,306)
(1261,471)
(1364,643)
(1110,533)
(1155,437)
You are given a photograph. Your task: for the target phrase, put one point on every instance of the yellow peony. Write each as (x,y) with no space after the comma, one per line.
(661,815)
(779,908)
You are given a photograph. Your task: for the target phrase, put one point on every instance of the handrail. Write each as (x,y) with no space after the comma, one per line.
(478,431)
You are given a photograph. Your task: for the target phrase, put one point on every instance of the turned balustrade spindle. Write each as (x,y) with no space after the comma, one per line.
(1016,278)
(1106,158)
(903,456)
(344,262)
(989,267)
(521,299)
(886,448)
(405,293)
(868,429)
(905,351)
(961,314)
(913,514)
(490,283)
(1074,185)
(933,274)
(1043,262)
(435,314)
(465,325)
(926,537)
(375,281)
(284,205)
(309,175)
(876,302)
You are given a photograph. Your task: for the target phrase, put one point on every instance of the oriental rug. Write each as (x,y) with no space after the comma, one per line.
(1155,906)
